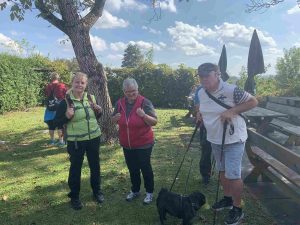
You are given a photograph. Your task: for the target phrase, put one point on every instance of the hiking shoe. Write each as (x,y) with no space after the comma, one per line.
(132,195)
(99,198)
(76,203)
(222,204)
(148,199)
(235,216)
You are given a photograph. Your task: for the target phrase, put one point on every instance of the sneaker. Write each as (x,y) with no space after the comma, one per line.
(61,144)
(235,216)
(76,203)
(51,142)
(99,198)
(148,199)
(132,195)
(222,204)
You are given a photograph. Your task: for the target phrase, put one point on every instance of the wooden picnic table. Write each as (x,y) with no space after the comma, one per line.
(290,101)
(260,118)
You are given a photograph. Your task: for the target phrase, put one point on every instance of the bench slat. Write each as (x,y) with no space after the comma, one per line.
(287,127)
(277,151)
(279,167)
(294,111)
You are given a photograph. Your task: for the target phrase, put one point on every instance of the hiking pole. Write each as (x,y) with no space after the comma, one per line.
(188,147)
(221,158)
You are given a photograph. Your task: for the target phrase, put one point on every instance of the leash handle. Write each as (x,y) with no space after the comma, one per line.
(188,147)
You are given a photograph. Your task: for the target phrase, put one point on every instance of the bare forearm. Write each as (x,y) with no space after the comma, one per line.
(150,120)
(245,106)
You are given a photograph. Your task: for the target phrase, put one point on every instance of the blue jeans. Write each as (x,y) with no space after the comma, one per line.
(231,162)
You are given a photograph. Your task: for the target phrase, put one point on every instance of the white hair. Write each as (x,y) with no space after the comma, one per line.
(130,82)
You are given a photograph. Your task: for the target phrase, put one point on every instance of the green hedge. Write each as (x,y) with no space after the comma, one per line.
(164,86)
(20,85)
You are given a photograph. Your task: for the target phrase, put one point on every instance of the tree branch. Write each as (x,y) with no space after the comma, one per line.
(91,18)
(47,15)
(257,5)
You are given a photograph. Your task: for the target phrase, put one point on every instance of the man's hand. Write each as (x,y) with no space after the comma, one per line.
(198,117)
(227,115)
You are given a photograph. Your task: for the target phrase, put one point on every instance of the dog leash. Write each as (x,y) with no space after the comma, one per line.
(221,158)
(188,176)
(188,147)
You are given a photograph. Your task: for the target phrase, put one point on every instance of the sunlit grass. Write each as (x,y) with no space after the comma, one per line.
(33,176)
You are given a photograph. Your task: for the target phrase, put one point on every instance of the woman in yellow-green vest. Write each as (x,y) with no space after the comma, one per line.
(79,113)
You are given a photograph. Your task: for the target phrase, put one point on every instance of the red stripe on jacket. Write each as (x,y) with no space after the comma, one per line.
(133,131)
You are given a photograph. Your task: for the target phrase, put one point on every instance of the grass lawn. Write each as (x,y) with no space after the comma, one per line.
(33,177)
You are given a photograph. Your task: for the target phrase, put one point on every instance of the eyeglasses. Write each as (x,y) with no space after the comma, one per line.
(130,91)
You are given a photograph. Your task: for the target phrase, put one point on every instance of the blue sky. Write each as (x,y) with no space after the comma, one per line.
(190,32)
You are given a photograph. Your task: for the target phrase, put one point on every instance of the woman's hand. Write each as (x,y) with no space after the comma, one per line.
(70,112)
(116,117)
(97,108)
(140,112)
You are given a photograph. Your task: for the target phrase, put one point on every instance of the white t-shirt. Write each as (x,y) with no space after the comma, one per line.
(231,95)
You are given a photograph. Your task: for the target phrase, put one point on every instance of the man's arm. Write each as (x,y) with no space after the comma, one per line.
(240,108)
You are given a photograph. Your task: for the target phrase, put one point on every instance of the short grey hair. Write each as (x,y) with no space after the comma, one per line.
(130,82)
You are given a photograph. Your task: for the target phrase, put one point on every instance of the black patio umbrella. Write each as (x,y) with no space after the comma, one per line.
(255,63)
(223,64)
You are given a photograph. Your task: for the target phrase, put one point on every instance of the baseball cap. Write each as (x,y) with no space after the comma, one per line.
(205,68)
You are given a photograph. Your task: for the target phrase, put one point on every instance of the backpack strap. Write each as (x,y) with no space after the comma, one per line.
(69,101)
(90,99)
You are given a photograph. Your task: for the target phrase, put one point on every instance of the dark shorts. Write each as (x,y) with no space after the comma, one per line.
(51,125)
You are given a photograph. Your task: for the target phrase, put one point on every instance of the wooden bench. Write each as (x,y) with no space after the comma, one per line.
(287,105)
(274,161)
(290,126)
(292,131)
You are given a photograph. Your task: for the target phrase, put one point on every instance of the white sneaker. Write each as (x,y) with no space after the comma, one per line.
(148,199)
(132,195)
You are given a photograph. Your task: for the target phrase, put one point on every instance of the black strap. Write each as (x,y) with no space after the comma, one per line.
(223,104)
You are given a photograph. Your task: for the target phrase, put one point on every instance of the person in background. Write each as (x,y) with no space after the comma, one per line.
(135,116)
(58,90)
(205,160)
(79,113)
(214,115)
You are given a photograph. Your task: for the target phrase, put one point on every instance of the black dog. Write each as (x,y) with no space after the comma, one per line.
(183,207)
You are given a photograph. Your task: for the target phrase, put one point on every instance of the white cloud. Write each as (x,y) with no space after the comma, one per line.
(162,44)
(241,35)
(294,10)
(187,38)
(168,5)
(9,45)
(192,39)
(115,57)
(98,43)
(118,46)
(151,30)
(121,46)
(297,44)
(125,4)
(108,21)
